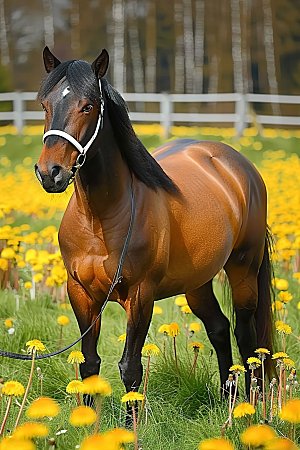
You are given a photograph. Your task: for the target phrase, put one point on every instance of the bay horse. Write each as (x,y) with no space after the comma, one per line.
(198,207)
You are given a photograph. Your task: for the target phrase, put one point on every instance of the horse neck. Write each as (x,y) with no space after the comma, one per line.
(104,181)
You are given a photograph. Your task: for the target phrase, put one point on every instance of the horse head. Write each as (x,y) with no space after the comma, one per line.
(71,97)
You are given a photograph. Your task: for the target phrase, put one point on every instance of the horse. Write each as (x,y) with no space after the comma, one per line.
(184,213)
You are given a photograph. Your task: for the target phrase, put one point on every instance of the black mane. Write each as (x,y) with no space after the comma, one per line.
(83,82)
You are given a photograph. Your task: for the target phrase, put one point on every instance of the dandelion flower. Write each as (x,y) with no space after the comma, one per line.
(96,385)
(216,444)
(157,310)
(150,350)
(29,430)
(277,306)
(76,357)
(243,409)
(173,329)
(253,362)
(196,346)
(262,350)
(291,411)
(237,368)
(280,444)
(13,388)
(63,320)
(282,327)
(257,435)
(82,416)
(104,441)
(185,309)
(180,300)
(75,387)
(28,285)
(132,397)
(281,284)
(279,355)
(35,345)
(164,329)
(285,296)
(43,407)
(288,362)
(122,337)
(194,327)
(8,323)
(8,253)
(12,443)
(121,435)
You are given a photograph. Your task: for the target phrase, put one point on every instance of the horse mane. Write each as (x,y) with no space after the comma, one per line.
(138,159)
(83,82)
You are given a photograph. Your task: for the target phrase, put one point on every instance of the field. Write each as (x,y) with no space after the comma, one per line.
(182,406)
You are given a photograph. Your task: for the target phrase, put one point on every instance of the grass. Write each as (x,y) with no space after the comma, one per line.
(181,410)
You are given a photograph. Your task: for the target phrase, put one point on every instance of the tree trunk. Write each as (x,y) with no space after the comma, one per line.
(5,59)
(150,70)
(188,38)
(135,50)
(199,45)
(179,48)
(237,47)
(48,23)
(118,48)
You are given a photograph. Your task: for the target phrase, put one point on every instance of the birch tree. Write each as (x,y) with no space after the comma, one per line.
(5,59)
(119,71)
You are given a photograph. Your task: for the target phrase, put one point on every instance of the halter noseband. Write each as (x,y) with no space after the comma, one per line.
(82,150)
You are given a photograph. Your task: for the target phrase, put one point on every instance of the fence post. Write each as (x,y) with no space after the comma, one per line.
(165,113)
(241,114)
(18,111)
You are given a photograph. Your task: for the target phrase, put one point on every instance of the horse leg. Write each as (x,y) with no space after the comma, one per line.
(243,281)
(86,310)
(204,305)
(139,312)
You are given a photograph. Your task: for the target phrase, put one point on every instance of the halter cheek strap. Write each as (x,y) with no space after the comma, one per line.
(81,149)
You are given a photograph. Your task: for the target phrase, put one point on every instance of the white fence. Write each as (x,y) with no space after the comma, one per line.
(243,107)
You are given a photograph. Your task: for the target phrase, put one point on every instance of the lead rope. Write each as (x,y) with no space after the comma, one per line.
(116,280)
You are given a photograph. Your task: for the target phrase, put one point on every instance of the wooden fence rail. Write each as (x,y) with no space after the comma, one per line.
(240,114)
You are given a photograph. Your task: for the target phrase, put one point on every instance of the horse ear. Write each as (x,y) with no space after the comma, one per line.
(100,64)
(50,61)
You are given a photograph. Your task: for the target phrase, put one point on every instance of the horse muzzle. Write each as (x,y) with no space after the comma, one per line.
(55,180)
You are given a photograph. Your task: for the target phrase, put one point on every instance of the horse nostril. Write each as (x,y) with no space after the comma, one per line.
(54,172)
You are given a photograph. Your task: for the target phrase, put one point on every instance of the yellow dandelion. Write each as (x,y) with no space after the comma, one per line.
(35,345)
(63,320)
(8,323)
(216,444)
(262,350)
(157,310)
(285,296)
(8,253)
(99,441)
(257,435)
(243,409)
(30,430)
(75,387)
(185,309)
(121,435)
(180,300)
(291,411)
(253,362)
(14,443)
(13,388)
(196,346)
(194,327)
(43,407)
(132,397)
(173,329)
(277,306)
(282,327)
(164,329)
(279,355)
(76,357)
(281,284)
(150,350)
(122,337)
(38,277)
(237,368)
(82,416)
(28,285)
(280,444)
(96,385)
(289,363)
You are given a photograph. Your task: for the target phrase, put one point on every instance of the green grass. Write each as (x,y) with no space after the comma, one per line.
(181,409)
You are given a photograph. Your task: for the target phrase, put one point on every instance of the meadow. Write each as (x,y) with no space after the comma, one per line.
(182,403)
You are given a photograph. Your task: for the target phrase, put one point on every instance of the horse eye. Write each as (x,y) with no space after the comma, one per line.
(86,109)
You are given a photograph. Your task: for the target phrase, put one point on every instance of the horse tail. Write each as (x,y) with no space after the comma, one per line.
(263,315)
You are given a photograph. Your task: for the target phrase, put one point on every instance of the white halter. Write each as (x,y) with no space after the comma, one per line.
(82,150)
